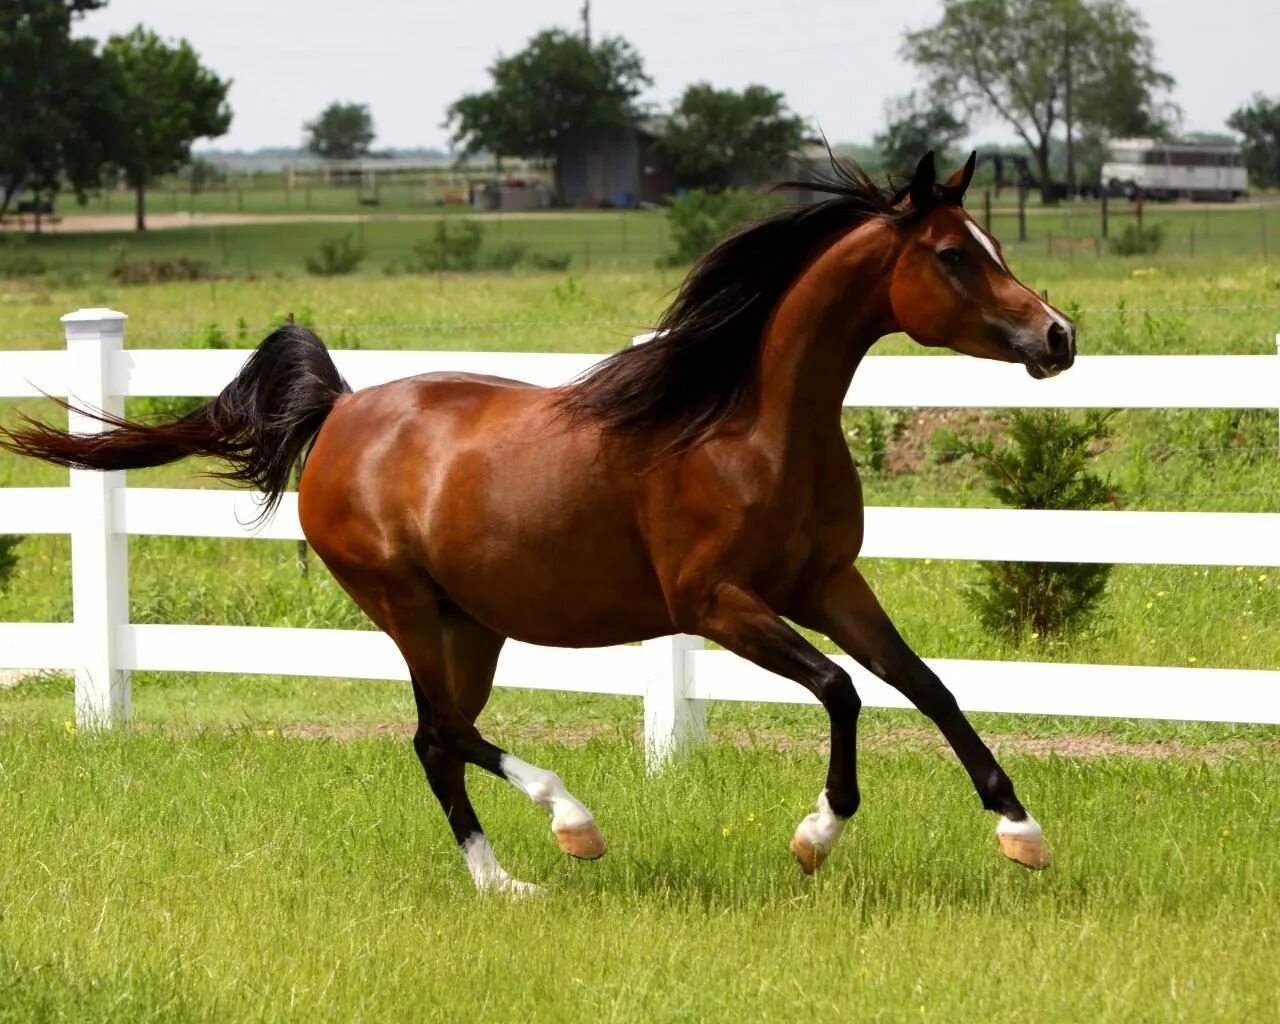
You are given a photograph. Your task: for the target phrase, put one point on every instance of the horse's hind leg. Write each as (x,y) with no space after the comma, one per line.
(451,671)
(471,655)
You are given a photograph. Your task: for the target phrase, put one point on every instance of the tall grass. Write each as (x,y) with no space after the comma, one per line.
(255,878)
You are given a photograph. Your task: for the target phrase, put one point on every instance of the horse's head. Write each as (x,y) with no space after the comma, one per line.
(951,287)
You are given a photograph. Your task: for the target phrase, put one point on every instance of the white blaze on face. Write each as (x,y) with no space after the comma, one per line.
(985,241)
(1057,317)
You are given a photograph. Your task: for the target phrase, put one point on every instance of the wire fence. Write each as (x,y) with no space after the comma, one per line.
(225,230)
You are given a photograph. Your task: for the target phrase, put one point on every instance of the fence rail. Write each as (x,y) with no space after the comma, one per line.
(674,675)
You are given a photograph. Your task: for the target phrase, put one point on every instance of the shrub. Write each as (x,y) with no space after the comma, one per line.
(549,260)
(1137,240)
(213,336)
(179,268)
(504,257)
(335,256)
(8,557)
(699,219)
(456,246)
(1044,464)
(17,259)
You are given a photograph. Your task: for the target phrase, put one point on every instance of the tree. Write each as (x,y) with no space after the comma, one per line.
(54,102)
(165,101)
(913,126)
(717,137)
(559,90)
(1038,64)
(1259,123)
(343,131)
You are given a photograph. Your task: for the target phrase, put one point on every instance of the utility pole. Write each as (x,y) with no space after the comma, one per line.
(586,22)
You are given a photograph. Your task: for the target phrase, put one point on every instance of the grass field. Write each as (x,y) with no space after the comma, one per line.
(214,864)
(610,240)
(201,876)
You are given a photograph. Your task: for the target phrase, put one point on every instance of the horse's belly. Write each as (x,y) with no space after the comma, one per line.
(564,595)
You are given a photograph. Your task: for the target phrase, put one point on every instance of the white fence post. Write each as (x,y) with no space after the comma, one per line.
(99,555)
(672,721)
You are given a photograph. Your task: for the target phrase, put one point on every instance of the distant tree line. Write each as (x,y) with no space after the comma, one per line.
(70,109)
(1063,75)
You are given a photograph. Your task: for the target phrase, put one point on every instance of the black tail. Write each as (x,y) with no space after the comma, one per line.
(260,424)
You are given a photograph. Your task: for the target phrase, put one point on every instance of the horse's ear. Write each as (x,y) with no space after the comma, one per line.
(922,182)
(959,181)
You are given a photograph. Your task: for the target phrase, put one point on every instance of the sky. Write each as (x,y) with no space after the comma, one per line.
(836,61)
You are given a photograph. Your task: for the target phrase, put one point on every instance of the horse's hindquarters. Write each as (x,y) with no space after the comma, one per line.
(524,523)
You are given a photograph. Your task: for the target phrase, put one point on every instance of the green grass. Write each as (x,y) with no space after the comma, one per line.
(215,877)
(202,866)
(1068,238)
(599,241)
(1209,461)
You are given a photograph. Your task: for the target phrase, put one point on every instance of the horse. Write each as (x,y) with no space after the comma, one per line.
(699,483)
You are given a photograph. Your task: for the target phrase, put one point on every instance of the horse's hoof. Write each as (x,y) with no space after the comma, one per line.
(582,841)
(809,855)
(1023,843)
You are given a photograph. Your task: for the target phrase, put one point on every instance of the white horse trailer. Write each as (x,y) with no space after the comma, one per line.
(1175,170)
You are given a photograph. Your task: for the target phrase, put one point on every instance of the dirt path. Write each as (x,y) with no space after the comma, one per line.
(97,222)
(1064,745)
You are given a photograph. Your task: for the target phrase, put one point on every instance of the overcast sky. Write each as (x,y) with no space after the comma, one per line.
(836,60)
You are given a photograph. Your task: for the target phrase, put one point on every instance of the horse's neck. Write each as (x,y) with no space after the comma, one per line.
(820,331)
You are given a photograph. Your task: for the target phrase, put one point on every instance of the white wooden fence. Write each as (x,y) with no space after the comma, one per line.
(675,675)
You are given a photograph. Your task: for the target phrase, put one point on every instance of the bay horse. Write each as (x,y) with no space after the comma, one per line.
(699,483)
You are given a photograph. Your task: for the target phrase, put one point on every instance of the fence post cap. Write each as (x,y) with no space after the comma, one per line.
(92,314)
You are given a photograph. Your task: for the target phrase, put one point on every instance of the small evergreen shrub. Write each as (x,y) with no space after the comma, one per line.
(549,260)
(455,246)
(1043,464)
(17,258)
(335,256)
(8,557)
(504,257)
(1137,240)
(177,268)
(699,219)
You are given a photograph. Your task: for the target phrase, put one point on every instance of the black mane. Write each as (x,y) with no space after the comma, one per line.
(695,374)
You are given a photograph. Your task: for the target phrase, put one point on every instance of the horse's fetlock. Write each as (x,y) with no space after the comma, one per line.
(844,805)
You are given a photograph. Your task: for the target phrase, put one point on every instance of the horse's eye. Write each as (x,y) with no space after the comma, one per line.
(950,257)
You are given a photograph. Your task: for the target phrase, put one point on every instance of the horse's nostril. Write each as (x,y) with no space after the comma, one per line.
(1059,341)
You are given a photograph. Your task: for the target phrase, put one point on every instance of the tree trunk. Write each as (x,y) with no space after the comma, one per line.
(1067,114)
(140,209)
(1042,165)
(9,192)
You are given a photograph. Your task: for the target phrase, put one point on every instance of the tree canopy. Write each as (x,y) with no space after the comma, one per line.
(558,89)
(167,100)
(718,137)
(55,103)
(913,126)
(1259,122)
(342,131)
(1041,64)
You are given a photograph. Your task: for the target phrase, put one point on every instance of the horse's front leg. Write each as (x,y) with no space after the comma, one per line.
(846,610)
(740,621)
